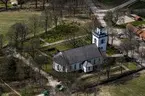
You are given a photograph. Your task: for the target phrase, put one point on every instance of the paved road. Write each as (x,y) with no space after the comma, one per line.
(123,5)
(96,11)
(99,13)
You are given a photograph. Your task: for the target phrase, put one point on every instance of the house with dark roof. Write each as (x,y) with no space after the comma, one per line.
(81,58)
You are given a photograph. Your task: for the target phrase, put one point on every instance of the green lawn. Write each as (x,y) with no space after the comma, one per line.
(3,6)
(128,86)
(47,67)
(111,50)
(63,31)
(136,23)
(135,87)
(131,65)
(9,18)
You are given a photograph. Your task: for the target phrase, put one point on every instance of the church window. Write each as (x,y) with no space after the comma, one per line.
(89,68)
(102,41)
(57,67)
(75,67)
(70,68)
(100,48)
(95,40)
(99,59)
(63,68)
(80,66)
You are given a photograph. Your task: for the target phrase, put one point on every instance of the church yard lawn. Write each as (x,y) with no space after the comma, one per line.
(66,45)
(115,70)
(131,65)
(63,31)
(111,50)
(3,6)
(96,77)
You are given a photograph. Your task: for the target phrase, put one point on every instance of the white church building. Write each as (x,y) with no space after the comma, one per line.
(83,58)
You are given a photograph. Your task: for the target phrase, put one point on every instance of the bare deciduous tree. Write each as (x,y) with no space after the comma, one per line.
(1,40)
(17,35)
(112,33)
(108,18)
(34,24)
(43,4)
(21,2)
(108,63)
(120,61)
(6,3)
(129,34)
(127,46)
(34,46)
(46,19)
(142,54)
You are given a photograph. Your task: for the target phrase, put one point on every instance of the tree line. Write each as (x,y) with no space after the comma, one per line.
(55,4)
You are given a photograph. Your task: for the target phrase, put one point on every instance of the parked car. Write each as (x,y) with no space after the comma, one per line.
(60,87)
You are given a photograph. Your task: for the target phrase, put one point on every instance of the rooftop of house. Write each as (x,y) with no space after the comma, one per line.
(138,31)
(77,55)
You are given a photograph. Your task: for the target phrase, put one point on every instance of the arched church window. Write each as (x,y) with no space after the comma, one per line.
(57,67)
(95,40)
(102,41)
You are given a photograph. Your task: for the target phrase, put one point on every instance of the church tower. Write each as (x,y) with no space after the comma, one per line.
(99,37)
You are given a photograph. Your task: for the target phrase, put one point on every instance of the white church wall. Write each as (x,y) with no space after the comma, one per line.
(102,45)
(98,61)
(58,67)
(95,40)
(75,67)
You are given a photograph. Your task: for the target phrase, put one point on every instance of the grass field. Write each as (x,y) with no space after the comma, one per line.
(130,87)
(9,18)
